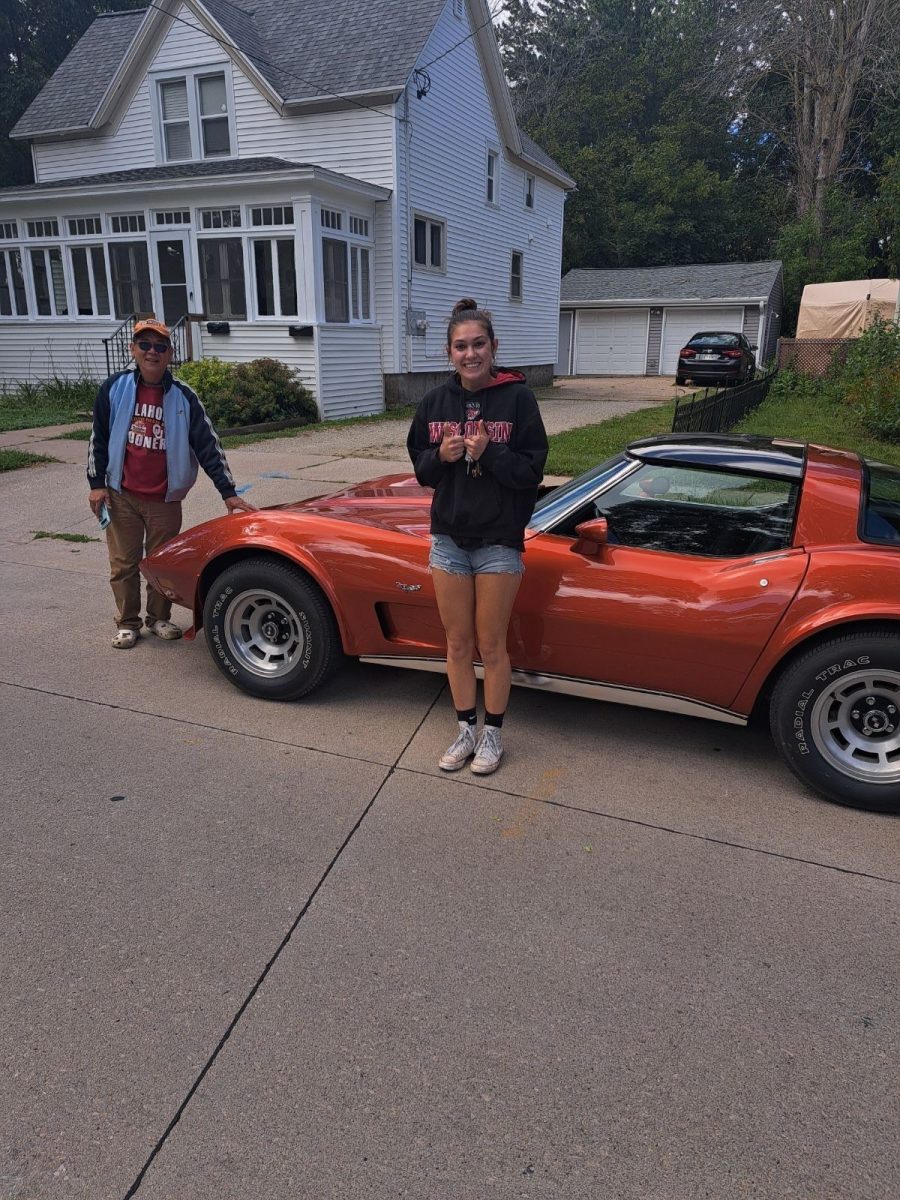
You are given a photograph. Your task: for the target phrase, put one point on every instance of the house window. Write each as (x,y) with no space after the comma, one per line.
(331,219)
(89,277)
(127,223)
(169,217)
(85,227)
(194,117)
(9,231)
(130,270)
(222,278)
(492,194)
(41,229)
(529,191)
(276,277)
(49,282)
(220,218)
(12,285)
(334,275)
(515,275)
(359,226)
(360,283)
(276,214)
(429,242)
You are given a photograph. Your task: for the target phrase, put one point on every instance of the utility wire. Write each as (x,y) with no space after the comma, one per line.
(311,83)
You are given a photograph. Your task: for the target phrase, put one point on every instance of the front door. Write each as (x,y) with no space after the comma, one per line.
(173,264)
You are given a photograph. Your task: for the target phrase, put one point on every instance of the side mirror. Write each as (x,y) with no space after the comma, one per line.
(753,347)
(596,531)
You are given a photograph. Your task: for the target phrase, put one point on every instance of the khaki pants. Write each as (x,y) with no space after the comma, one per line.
(137,526)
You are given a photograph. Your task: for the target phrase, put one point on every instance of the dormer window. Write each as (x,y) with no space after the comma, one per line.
(195,116)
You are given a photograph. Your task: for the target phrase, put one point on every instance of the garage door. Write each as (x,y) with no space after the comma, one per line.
(680,324)
(611,342)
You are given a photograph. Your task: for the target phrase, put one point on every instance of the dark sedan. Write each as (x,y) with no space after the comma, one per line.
(716,357)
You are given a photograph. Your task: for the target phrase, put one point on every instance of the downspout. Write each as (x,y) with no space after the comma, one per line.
(407,255)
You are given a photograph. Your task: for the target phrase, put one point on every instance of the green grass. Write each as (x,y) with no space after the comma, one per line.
(247,439)
(12,460)
(576,450)
(74,435)
(57,402)
(817,419)
(62,537)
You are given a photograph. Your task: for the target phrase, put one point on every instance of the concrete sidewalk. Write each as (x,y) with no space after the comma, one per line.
(257,950)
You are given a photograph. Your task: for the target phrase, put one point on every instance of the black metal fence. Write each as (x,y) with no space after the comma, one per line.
(719,411)
(118,344)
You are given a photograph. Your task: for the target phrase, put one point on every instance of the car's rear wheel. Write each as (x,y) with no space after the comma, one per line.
(680,380)
(269,630)
(835,717)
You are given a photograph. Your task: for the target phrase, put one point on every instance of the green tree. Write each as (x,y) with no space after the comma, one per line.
(35,36)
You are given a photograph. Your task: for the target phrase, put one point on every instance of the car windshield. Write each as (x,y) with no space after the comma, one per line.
(881,503)
(559,498)
(715,339)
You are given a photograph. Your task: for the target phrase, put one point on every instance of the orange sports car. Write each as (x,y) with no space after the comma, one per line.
(708,575)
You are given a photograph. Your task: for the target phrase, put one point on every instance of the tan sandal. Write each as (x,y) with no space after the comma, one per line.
(125,639)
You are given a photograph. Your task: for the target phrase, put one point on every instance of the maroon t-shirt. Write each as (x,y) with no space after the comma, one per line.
(144,471)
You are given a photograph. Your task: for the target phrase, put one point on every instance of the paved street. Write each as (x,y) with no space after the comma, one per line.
(268,951)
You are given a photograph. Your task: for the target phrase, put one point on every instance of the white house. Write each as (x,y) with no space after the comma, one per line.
(316,181)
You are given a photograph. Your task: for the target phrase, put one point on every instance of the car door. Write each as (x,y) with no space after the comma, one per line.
(682,599)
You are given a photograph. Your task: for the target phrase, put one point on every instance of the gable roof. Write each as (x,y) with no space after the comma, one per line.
(72,95)
(309,54)
(305,50)
(749,282)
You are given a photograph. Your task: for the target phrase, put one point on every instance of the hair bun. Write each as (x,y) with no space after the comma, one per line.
(465,305)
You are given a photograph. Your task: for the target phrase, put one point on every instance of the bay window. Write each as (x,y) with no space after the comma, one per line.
(90,281)
(12,285)
(222,278)
(130,268)
(275,276)
(49,282)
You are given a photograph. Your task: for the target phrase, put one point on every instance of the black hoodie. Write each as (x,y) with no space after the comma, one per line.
(494,506)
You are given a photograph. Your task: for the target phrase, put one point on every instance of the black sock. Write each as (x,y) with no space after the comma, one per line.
(467,716)
(495,719)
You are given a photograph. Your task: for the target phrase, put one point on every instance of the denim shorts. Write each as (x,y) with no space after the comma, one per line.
(486,560)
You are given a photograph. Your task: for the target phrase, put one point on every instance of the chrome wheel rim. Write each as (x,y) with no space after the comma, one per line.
(855,725)
(265,633)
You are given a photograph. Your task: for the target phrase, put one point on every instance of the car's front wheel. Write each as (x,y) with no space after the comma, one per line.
(269,629)
(835,717)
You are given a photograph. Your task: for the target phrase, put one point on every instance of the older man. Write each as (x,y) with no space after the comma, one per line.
(150,434)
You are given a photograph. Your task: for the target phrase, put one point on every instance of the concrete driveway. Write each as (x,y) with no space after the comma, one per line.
(260,950)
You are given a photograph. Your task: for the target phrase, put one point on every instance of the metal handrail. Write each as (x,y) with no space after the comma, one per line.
(118,345)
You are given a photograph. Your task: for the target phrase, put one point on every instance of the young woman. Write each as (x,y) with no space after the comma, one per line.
(479,441)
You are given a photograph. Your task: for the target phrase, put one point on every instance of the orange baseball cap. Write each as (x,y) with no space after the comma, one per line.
(152,324)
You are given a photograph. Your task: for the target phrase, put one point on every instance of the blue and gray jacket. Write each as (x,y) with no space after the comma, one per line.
(191,440)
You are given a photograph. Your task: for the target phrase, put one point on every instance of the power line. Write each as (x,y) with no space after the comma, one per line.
(311,83)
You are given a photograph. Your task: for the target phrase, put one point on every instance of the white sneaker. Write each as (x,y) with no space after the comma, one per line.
(461,751)
(488,752)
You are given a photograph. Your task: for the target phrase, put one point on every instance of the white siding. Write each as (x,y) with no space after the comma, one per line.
(351,379)
(356,142)
(36,351)
(246,342)
(128,147)
(450,131)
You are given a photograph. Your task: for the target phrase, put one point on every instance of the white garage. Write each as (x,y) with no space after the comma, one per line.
(680,324)
(611,342)
(634,320)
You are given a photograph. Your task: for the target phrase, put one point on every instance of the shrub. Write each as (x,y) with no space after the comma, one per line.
(239,394)
(876,399)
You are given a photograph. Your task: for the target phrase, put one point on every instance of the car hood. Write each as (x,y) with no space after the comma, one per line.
(390,502)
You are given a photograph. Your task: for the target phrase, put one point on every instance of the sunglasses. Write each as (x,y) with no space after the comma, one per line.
(159,347)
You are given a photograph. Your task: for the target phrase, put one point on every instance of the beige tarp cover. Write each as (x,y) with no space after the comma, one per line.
(843,310)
